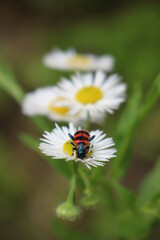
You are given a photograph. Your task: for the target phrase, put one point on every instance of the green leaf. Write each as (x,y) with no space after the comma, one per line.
(130,113)
(155,201)
(9,84)
(150,188)
(131,118)
(124,154)
(60,164)
(42,123)
(134,226)
(127,196)
(125,133)
(151,98)
(30,141)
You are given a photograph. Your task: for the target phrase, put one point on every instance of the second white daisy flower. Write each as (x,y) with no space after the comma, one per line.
(95,94)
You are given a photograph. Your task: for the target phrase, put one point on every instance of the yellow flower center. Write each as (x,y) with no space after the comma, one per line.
(68,147)
(78,60)
(89,95)
(59,110)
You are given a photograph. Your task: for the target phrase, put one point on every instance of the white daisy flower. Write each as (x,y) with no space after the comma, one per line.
(59,145)
(71,60)
(95,94)
(45,101)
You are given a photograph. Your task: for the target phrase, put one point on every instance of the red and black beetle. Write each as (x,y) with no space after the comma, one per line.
(81,142)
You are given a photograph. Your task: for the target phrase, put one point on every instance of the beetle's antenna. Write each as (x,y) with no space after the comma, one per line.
(71,136)
(91,138)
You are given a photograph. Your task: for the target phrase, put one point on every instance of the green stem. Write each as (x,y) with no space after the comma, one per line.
(86,181)
(71,195)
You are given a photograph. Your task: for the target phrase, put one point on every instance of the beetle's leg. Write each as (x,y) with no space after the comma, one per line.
(90,148)
(73,144)
(74,151)
(87,149)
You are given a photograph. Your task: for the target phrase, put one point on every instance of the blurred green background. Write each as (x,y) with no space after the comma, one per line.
(29,187)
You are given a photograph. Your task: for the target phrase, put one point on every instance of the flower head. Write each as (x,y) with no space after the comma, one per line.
(59,145)
(95,94)
(71,60)
(45,101)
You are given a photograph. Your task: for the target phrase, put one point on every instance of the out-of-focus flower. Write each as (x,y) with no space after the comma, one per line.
(71,60)
(58,145)
(93,94)
(45,101)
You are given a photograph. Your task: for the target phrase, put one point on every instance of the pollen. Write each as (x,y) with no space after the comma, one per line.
(88,95)
(68,148)
(78,60)
(59,110)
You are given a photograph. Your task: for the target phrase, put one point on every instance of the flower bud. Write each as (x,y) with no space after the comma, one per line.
(68,211)
(90,200)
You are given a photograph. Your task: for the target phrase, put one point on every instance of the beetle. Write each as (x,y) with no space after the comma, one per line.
(81,143)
